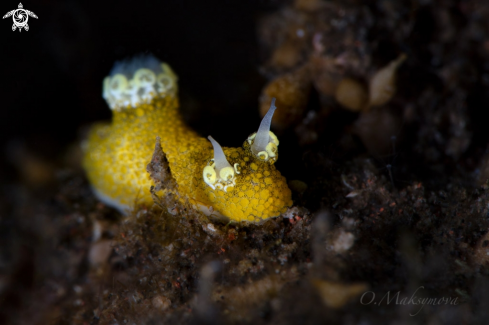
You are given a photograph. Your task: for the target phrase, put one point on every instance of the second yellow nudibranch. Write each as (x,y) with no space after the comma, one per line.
(241,184)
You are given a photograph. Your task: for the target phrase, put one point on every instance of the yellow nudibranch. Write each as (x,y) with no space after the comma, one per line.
(241,184)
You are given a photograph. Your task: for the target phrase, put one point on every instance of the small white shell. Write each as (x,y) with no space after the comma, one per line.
(382,86)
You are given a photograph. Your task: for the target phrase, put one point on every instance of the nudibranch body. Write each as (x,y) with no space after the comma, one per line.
(239,183)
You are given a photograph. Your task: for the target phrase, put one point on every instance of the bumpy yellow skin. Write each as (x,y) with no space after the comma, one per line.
(116,156)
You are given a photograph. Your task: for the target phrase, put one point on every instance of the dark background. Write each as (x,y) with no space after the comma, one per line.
(51,81)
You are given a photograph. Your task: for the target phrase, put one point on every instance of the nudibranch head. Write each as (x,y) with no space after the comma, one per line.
(137,81)
(242,183)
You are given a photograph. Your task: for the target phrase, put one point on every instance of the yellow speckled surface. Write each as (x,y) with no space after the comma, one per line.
(116,157)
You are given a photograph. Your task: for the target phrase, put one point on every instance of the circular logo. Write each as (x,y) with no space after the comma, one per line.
(20,18)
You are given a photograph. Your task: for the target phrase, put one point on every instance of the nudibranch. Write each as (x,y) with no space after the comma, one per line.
(241,184)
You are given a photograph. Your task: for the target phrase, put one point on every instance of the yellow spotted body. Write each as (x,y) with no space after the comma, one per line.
(116,156)
(260,192)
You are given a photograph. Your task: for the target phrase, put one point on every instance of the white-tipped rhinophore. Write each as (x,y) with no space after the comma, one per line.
(220,174)
(264,143)
(263,136)
(137,81)
(219,157)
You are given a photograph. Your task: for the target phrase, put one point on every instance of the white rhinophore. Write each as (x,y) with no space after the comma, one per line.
(262,137)
(264,143)
(220,174)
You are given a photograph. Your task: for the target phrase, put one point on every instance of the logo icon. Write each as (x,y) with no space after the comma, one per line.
(20,17)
